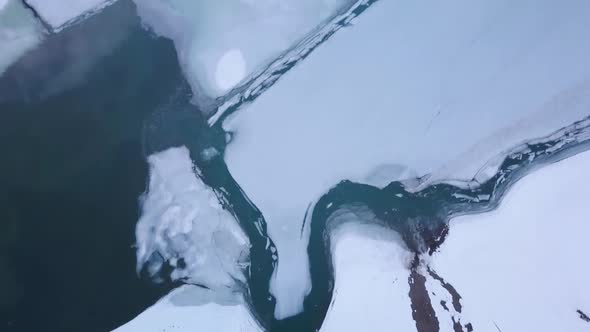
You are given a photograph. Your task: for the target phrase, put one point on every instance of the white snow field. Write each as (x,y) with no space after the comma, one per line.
(435,87)
(222,43)
(523,266)
(190,309)
(61,13)
(371,281)
(183,222)
(19,32)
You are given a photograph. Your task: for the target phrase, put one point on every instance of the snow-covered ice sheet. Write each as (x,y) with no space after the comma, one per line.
(371,281)
(19,32)
(60,13)
(189,309)
(184,225)
(523,266)
(421,85)
(222,43)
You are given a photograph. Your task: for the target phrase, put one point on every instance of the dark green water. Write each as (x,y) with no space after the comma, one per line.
(71,172)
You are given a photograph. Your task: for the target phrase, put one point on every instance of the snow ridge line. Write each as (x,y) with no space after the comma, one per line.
(45,24)
(264,79)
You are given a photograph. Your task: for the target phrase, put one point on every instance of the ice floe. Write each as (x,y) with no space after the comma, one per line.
(184,228)
(64,60)
(19,32)
(24,23)
(60,13)
(419,84)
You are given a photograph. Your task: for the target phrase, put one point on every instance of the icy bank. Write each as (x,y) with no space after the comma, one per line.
(184,229)
(19,32)
(520,266)
(222,43)
(419,84)
(60,13)
(190,308)
(371,288)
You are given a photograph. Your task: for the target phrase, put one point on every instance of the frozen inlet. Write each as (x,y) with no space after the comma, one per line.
(19,32)
(222,43)
(439,87)
(183,227)
(60,13)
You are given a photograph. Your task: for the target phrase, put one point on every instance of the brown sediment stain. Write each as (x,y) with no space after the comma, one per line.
(455,296)
(435,242)
(457,327)
(422,310)
(583,316)
(456,301)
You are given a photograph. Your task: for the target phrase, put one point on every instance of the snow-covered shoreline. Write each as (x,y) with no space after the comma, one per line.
(521,266)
